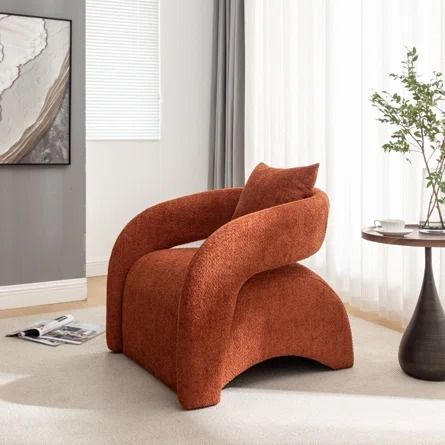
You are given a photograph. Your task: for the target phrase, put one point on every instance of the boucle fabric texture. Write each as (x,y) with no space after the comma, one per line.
(198,317)
(171,223)
(269,187)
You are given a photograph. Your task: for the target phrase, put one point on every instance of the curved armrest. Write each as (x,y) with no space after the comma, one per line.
(245,246)
(171,223)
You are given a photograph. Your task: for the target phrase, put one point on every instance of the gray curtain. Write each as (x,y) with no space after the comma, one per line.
(227,135)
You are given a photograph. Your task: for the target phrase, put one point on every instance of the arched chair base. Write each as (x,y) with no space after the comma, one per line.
(281,312)
(289,311)
(288,355)
(211,401)
(307,319)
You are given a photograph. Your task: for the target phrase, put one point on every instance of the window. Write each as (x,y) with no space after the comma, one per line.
(123,69)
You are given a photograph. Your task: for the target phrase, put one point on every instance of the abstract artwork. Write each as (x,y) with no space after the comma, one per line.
(35,91)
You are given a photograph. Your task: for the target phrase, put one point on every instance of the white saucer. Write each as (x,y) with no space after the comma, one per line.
(403,232)
(432,231)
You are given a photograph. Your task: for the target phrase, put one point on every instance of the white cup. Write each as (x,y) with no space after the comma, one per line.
(390,225)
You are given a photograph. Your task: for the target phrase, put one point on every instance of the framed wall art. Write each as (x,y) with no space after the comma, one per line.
(35,90)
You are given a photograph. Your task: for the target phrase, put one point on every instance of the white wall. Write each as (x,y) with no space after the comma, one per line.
(125,177)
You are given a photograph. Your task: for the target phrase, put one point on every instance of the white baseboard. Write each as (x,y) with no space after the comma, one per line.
(37,294)
(97,267)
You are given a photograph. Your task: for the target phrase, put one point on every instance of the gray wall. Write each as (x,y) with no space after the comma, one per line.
(42,208)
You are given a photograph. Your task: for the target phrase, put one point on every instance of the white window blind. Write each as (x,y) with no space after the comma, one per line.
(123,69)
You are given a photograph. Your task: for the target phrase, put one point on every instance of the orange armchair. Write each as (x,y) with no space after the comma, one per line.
(198,317)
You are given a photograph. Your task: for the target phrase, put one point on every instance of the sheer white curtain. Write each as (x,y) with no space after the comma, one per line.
(311,67)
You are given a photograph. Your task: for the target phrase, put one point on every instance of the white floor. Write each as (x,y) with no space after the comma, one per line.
(85,395)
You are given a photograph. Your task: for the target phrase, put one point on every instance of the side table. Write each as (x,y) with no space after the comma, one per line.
(422,349)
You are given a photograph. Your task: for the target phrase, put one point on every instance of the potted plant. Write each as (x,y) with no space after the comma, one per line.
(418,118)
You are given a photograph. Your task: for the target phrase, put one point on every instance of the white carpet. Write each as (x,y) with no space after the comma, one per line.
(86,395)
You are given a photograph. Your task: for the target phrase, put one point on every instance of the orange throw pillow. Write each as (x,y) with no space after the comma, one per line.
(269,187)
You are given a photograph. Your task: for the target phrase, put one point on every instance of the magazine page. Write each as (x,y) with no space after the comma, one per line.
(43,341)
(55,324)
(37,325)
(75,333)
(42,327)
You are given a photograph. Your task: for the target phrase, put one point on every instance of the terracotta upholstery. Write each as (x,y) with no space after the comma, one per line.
(197,317)
(269,187)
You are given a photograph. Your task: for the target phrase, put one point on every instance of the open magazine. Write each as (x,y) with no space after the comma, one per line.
(61,330)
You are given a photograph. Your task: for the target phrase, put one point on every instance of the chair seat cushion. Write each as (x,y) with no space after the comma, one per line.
(150,310)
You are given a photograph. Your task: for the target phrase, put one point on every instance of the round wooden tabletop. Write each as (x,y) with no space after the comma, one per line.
(414,239)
